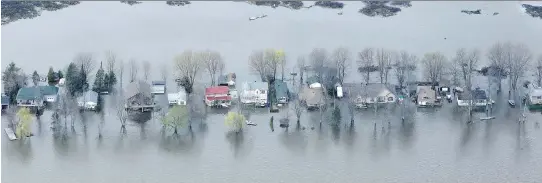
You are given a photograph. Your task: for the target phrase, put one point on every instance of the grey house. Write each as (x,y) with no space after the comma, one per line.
(138,96)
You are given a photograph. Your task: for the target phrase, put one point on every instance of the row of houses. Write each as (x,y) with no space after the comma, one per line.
(253,93)
(42,95)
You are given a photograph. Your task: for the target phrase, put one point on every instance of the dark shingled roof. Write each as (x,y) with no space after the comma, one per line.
(137,87)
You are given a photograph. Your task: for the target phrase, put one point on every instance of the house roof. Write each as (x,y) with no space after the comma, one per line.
(426,93)
(49,90)
(137,87)
(479,94)
(29,93)
(313,95)
(373,89)
(216,90)
(89,96)
(281,89)
(158,82)
(219,98)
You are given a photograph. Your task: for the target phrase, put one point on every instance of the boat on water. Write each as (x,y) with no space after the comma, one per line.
(512,103)
(250,123)
(258,17)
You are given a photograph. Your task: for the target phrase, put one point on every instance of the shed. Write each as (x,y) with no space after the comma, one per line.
(178,98)
(158,87)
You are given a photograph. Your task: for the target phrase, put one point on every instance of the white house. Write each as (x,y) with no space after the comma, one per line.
(178,98)
(534,98)
(158,87)
(377,93)
(88,101)
(255,93)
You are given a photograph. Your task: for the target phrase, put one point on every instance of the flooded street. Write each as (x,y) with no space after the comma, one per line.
(435,145)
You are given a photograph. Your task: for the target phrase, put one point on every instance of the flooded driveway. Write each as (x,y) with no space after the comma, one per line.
(435,145)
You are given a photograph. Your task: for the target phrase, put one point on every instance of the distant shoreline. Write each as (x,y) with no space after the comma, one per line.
(17,10)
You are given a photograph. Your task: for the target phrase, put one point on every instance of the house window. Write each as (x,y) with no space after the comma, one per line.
(390,99)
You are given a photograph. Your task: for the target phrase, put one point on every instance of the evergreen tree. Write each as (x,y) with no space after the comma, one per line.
(60,74)
(72,79)
(106,82)
(83,82)
(99,82)
(51,76)
(35,78)
(111,81)
(13,79)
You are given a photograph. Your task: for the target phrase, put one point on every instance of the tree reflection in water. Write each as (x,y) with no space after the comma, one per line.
(295,140)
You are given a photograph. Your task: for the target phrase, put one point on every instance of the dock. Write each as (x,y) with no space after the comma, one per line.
(10,133)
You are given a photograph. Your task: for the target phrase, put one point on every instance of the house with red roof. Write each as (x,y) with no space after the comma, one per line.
(217,96)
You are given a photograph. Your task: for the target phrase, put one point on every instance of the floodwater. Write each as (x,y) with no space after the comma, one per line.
(431,146)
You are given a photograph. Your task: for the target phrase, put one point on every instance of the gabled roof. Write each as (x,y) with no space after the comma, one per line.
(158,82)
(216,90)
(49,90)
(536,92)
(479,94)
(373,89)
(29,93)
(137,87)
(281,89)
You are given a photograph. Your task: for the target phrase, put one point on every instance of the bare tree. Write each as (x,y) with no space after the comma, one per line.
(383,61)
(265,63)
(273,58)
(85,61)
(258,65)
(518,58)
(146,70)
(498,60)
(404,64)
(341,57)
(213,64)
(366,63)
(538,71)
(164,72)
(301,66)
(111,61)
(188,66)
(122,114)
(298,109)
(434,66)
(133,70)
(468,62)
(318,58)
(121,74)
